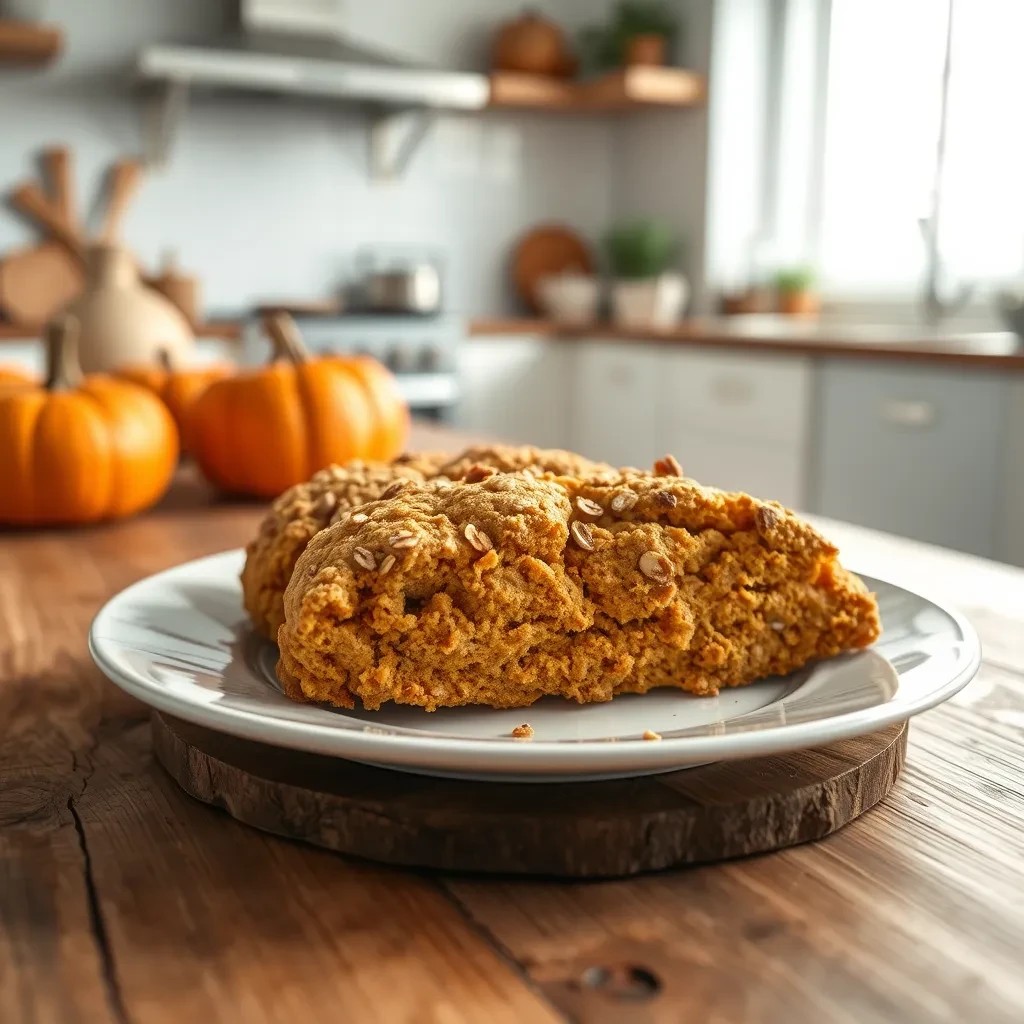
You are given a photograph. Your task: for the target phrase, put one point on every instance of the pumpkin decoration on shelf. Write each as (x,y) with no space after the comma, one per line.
(534,45)
(79,449)
(177,388)
(263,431)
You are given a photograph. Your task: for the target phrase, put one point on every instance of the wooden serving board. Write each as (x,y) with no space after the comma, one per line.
(572,830)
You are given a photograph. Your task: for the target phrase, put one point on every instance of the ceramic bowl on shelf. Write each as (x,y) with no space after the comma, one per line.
(570,298)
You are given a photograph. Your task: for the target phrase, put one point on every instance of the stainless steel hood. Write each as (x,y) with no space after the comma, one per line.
(299,46)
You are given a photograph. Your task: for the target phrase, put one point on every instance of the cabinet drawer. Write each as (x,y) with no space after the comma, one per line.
(616,408)
(738,395)
(769,470)
(912,452)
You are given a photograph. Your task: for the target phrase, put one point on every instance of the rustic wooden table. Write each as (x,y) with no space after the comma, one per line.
(123,900)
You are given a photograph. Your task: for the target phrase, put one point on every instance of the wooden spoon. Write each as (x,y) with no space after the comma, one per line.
(125,177)
(57,165)
(30,200)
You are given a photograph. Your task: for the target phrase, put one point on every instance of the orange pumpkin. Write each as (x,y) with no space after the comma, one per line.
(176,388)
(12,375)
(263,431)
(81,449)
(390,410)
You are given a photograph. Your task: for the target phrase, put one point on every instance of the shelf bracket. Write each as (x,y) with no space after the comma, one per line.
(163,112)
(395,135)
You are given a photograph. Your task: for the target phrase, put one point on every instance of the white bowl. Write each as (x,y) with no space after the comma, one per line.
(570,298)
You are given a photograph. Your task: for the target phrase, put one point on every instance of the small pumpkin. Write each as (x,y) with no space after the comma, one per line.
(266,430)
(176,388)
(391,412)
(80,449)
(532,44)
(11,375)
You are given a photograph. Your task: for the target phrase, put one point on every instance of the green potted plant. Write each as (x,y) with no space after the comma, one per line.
(794,292)
(646,291)
(640,32)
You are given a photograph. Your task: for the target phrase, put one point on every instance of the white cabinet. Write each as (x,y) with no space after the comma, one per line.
(733,420)
(1010,514)
(617,401)
(516,389)
(739,421)
(911,451)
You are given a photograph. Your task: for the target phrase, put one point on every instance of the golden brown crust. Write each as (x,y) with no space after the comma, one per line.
(514,459)
(501,591)
(301,512)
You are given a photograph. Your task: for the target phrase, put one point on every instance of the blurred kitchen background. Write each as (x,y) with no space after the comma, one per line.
(783,239)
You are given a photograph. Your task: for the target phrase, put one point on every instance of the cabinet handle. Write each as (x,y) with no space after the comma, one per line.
(908,412)
(732,390)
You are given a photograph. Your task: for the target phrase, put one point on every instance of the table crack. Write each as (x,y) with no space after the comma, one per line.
(96,920)
(503,952)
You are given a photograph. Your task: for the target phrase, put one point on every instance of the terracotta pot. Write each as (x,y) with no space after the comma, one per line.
(122,321)
(532,44)
(649,49)
(752,300)
(802,303)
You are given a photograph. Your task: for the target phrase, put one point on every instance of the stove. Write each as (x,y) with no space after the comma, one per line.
(422,352)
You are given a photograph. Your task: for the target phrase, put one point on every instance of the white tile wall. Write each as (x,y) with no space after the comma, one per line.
(267,197)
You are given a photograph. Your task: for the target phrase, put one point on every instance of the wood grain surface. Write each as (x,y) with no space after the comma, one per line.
(122,900)
(572,830)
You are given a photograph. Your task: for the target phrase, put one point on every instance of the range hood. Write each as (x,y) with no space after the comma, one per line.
(300,46)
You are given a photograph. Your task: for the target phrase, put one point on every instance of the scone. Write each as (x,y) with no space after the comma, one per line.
(514,459)
(502,591)
(300,513)
(304,510)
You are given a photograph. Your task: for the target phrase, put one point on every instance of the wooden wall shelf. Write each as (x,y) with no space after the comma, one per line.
(25,42)
(625,89)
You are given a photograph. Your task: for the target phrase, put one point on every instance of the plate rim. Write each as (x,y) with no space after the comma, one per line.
(460,753)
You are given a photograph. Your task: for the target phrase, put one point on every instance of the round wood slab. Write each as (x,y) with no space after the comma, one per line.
(579,830)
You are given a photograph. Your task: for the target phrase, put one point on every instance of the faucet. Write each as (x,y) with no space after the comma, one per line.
(935,306)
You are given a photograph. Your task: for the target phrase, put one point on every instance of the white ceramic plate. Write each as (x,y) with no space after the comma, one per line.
(180,642)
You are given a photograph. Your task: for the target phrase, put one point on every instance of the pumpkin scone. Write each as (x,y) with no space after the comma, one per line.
(302,512)
(514,459)
(501,591)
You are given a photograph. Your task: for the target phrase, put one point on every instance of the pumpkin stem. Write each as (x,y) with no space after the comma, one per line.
(285,337)
(163,359)
(63,370)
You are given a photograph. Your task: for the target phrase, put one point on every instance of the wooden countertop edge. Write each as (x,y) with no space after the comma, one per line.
(226,330)
(696,334)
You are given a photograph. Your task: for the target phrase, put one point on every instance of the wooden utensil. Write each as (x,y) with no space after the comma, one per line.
(37,282)
(30,200)
(546,250)
(58,167)
(124,180)
(181,289)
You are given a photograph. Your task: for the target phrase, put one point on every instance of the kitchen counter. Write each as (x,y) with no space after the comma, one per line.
(122,899)
(1001,350)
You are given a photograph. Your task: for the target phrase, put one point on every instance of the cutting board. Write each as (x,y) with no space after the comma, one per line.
(570,830)
(37,282)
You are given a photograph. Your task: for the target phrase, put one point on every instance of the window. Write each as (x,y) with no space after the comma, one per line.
(883,119)
(851,103)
